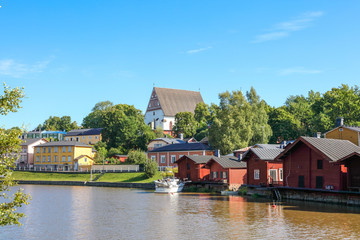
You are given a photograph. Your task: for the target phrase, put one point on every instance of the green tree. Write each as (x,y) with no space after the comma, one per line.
(232,125)
(151,168)
(260,127)
(124,127)
(284,125)
(102,106)
(185,123)
(57,123)
(9,146)
(101,152)
(159,132)
(137,157)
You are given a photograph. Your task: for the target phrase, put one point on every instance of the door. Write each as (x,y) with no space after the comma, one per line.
(273,176)
(301,181)
(319,182)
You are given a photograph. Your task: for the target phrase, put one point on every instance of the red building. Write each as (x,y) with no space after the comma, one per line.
(227,169)
(262,170)
(313,163)
(192,168)
(167,155)
(121,158)
(352,163)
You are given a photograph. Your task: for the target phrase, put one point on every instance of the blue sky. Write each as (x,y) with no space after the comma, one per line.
(69,55)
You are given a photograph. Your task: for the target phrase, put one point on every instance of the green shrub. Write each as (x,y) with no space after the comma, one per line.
(151,168)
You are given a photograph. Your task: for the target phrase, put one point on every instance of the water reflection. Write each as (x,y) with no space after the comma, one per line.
(59,212)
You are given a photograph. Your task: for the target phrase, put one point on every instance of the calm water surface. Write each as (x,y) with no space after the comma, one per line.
(62,212)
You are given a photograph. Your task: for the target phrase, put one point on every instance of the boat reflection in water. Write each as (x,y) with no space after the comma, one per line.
(169,185)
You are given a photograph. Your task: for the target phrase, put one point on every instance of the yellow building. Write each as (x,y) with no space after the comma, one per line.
(62,155)
(345,133)
(87,136)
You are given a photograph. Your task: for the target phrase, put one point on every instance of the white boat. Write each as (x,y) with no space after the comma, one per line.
(169,185)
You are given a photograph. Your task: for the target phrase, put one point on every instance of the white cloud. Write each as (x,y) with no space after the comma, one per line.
(298,70)
(284,29)
(12,68)
(197,50)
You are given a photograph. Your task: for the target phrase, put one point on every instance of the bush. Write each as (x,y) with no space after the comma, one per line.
(137,157)
(151,168)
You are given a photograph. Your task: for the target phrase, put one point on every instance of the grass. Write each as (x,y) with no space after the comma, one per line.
(107,177)
(128,177)
(36,176)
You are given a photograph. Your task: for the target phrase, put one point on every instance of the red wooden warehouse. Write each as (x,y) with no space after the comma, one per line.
(192,168)
(227,169)
(261,168)
(313,163)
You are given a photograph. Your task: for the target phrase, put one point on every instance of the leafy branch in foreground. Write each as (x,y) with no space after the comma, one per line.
(9,149)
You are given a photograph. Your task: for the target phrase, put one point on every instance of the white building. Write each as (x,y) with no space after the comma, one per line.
(165,103)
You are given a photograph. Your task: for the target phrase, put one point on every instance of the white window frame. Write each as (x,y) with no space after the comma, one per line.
(49,159)
(224,175)
(281,174)
(153,158)
(55,158)
(63,158)
(44,159)
(64,149)
(162,159)
(256,174)
(173,158)
(69,148)
(55,149)
(37,158)
(38,149)
(69,158)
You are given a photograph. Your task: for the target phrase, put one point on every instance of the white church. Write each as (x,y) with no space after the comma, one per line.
(165,103)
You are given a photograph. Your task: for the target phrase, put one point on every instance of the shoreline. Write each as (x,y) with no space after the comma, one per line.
(149,186)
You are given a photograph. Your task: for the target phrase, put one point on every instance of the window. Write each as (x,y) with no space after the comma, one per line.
(319,182)
(44,149)
(49,149)
(63,159)
(89,137)
(215,175)
(70,139)
(301,181)
(49,159)
(173,158)
(69,158)
(69,149)
(85,160)
(83,137)
(55,149)
(44,159)
(67,139)
(96,137)
(224,175)
(257,174)
(89,142)
(77,139)
(162,159)
(37,158)
(37,149)
(153,113)
(64,149)
(153,158)
(188,166)
(157,145)
(281,174)
(55,158)
(319,164)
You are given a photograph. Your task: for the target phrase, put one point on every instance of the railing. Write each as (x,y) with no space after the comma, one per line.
(94,169)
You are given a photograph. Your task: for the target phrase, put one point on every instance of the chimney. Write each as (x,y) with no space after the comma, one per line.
(318,135)
(181,136)
(339,121)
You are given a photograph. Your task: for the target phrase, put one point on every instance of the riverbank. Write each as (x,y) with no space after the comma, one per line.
(136,177)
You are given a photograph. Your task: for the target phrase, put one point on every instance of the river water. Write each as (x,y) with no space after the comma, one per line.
(72,212)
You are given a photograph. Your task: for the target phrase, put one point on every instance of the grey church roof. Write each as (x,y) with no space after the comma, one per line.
(182,147)
(173,101)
